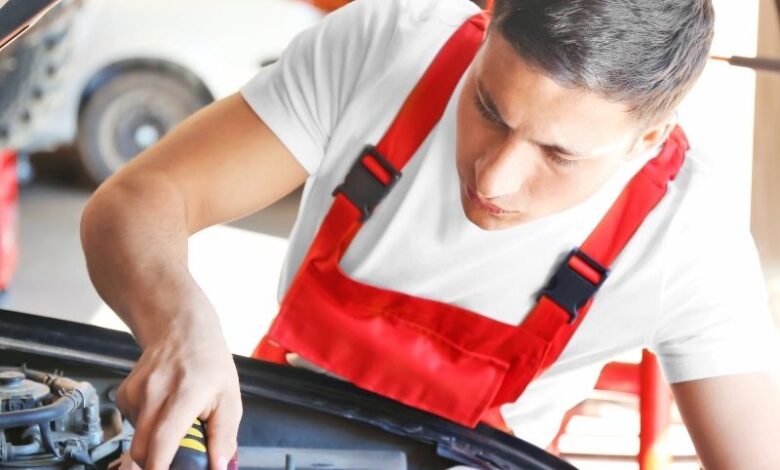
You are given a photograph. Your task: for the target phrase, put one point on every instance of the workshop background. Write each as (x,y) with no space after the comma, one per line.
(100,80)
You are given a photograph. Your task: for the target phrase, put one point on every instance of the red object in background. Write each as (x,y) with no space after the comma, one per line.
(9,217)
(655,401)
(328,5)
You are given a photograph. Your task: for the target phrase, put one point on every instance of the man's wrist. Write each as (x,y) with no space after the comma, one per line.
(180,313)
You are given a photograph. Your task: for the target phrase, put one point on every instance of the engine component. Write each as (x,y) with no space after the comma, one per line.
(47,421)
(18,393)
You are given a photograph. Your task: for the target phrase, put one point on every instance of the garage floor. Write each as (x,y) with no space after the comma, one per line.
(237,265)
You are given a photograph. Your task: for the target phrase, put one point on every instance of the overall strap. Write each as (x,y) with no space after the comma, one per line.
(377,168)
(426,104)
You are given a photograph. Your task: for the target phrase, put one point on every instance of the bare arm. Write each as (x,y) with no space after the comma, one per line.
(220,164)
(734,420)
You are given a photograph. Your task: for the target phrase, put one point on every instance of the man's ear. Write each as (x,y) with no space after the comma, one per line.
(654,136)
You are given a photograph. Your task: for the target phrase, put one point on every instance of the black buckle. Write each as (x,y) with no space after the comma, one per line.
(569,289)
(362,187)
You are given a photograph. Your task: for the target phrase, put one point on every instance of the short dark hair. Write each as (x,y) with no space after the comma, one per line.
(644,53)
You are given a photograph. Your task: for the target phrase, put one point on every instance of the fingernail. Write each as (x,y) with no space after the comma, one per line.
(233,463)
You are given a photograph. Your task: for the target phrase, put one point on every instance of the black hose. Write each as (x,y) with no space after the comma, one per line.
(57,410)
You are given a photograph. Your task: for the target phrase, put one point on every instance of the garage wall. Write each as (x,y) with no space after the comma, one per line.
(765,221)
(718,114)
(766,162)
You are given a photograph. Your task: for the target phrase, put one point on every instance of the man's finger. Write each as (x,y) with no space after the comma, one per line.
(140,443)
(173,421)
(222,434)
(148,411)
(123,403)
(125,462)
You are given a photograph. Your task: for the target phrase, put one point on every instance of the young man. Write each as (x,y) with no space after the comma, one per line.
(563,104)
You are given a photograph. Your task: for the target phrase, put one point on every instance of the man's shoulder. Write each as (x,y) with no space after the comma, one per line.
(449,12)
(382,36)
(405,16)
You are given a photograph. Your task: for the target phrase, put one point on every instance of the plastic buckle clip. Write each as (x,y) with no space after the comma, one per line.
(570,289)
(363,187)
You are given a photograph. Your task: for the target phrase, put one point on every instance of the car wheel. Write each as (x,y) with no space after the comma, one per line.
(130,113)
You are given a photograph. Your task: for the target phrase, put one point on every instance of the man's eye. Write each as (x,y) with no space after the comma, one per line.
(558,160)
(486,114)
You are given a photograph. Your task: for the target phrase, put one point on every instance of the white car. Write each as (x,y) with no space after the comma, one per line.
(136,68)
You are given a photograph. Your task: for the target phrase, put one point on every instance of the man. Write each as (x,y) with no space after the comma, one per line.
(563,104)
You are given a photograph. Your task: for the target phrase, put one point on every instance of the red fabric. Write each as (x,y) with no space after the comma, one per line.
(428,354)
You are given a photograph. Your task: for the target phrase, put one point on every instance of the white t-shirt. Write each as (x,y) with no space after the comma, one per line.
(688,286)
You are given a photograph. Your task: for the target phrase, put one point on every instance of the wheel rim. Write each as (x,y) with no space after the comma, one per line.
(136,120)
(137,131)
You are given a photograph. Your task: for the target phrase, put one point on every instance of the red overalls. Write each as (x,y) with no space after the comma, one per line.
(429,355)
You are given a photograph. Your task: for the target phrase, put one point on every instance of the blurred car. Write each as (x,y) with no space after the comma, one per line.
(136,68)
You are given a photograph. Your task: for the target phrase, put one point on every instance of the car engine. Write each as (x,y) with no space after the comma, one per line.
(48,421)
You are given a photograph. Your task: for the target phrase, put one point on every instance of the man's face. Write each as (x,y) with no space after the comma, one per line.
(528,147)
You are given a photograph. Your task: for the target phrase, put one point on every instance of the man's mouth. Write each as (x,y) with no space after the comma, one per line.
(483,204)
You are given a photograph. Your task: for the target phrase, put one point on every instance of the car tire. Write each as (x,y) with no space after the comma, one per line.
(129,113)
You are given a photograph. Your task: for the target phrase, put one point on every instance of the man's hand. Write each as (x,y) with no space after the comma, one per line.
(186,373)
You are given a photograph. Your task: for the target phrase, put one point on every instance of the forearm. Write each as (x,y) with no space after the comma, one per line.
(733,420)
(134,234)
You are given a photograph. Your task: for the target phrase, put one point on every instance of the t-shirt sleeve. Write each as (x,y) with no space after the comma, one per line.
(715,318)
(302,96)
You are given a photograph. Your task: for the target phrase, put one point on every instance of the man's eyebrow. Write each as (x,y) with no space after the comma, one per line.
(558,149)
(490,105)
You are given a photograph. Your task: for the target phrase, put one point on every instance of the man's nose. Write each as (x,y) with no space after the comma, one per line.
(505,170)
